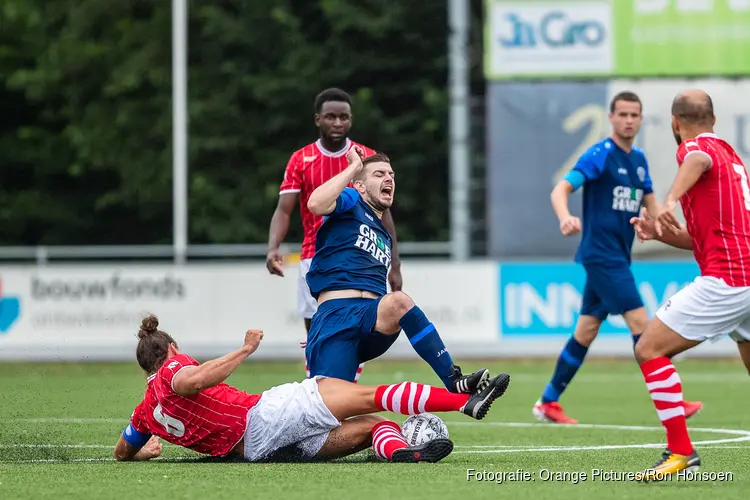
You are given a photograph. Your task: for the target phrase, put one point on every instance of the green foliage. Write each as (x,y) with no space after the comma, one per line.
(87,137)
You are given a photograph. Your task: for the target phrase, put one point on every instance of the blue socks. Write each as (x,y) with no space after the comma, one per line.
(427,343)
(571,358)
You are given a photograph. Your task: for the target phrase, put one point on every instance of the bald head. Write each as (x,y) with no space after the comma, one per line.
(693,107)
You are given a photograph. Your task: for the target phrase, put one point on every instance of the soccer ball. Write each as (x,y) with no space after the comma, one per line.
(424,427)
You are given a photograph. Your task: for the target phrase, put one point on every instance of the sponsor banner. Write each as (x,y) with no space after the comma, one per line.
(602,38)
(544,298)
(540,303)
(537,130)
(94,312)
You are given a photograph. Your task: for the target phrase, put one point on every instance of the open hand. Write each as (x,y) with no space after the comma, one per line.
(666,220)
(645,227)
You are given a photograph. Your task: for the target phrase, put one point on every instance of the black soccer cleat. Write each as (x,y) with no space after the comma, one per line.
(431,451)
(480,401)
(466,384)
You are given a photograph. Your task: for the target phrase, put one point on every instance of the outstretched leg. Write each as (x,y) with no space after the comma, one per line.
(396,311)
(345,399)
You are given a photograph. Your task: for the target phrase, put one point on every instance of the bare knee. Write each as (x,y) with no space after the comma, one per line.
(587,329)
(392,308)
(645,350)
(400,304)
(637,320)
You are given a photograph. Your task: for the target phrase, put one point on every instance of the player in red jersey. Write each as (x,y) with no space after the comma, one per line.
(713,190)
(189,404)
(307,169)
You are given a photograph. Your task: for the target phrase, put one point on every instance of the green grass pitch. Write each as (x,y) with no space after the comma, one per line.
(58,423)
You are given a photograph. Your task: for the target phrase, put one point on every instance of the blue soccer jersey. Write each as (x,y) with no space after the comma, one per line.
(614,185)
(352,249)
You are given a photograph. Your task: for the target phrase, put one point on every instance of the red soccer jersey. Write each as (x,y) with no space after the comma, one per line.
(307,169)
(211,422)
(717,211)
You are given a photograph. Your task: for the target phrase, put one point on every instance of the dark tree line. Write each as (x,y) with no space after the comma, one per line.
(85,132)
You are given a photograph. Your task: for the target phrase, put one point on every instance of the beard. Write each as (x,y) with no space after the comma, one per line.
(375,203)
(677,137)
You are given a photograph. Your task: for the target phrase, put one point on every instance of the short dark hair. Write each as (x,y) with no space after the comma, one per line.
(153,345)
(626,96)
(696,111)
(374,158)
(332,94)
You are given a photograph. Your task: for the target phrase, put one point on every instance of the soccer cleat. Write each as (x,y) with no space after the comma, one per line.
(551,412)
(481,400)
(670,463)
(466,384)
(692,407)
(431,451)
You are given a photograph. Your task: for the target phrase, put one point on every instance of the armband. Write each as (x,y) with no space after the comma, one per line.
(576,179)
(134,438)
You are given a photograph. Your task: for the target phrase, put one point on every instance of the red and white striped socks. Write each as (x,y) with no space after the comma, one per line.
(386,439)
(665,387)
(411,398)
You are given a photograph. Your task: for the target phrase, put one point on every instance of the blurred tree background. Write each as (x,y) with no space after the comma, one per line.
(85,132)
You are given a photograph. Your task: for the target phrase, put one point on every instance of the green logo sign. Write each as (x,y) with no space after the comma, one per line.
(606,38)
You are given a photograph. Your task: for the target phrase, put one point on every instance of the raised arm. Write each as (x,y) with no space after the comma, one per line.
(322,201)
(193,379)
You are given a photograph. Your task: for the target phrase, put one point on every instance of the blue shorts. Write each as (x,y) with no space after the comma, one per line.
(342,335)
(610,289)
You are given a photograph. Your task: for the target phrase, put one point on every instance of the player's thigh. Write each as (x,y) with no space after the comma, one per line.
(615,286)
(332,342)
(306,304)
(287,415)
(391,308)
(354,434)
(346,399)
(706,309)
(373,343)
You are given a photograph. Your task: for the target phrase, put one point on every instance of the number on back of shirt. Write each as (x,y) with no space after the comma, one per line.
(171,424)
(743,181)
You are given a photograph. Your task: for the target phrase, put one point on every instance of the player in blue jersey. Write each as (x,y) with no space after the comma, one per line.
(357,320)
(616,185)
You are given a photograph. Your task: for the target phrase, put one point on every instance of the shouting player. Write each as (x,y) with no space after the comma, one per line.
(616,184)
(712,188)
(307,169)
(357,320)
(188,404)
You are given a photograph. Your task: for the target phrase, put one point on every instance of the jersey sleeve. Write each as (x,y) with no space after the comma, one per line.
(648,186)
(292,182)
(172,367)
(137,420)
(346,201)
(591,163)
(136,434)
(692,147)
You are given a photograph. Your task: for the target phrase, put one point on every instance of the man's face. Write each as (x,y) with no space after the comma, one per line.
(626,119)
(334,120)
(378,186)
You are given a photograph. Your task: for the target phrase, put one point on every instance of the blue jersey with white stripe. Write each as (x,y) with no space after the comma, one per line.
(614,184)
(352,249)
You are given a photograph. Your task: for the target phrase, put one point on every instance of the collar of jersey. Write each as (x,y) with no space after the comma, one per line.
(333,154)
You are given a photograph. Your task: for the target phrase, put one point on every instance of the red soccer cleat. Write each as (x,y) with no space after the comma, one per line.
(552,412)
(692,407)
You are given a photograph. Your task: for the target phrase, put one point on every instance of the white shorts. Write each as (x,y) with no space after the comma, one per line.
(708,309)
(290,421)
(306,304)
